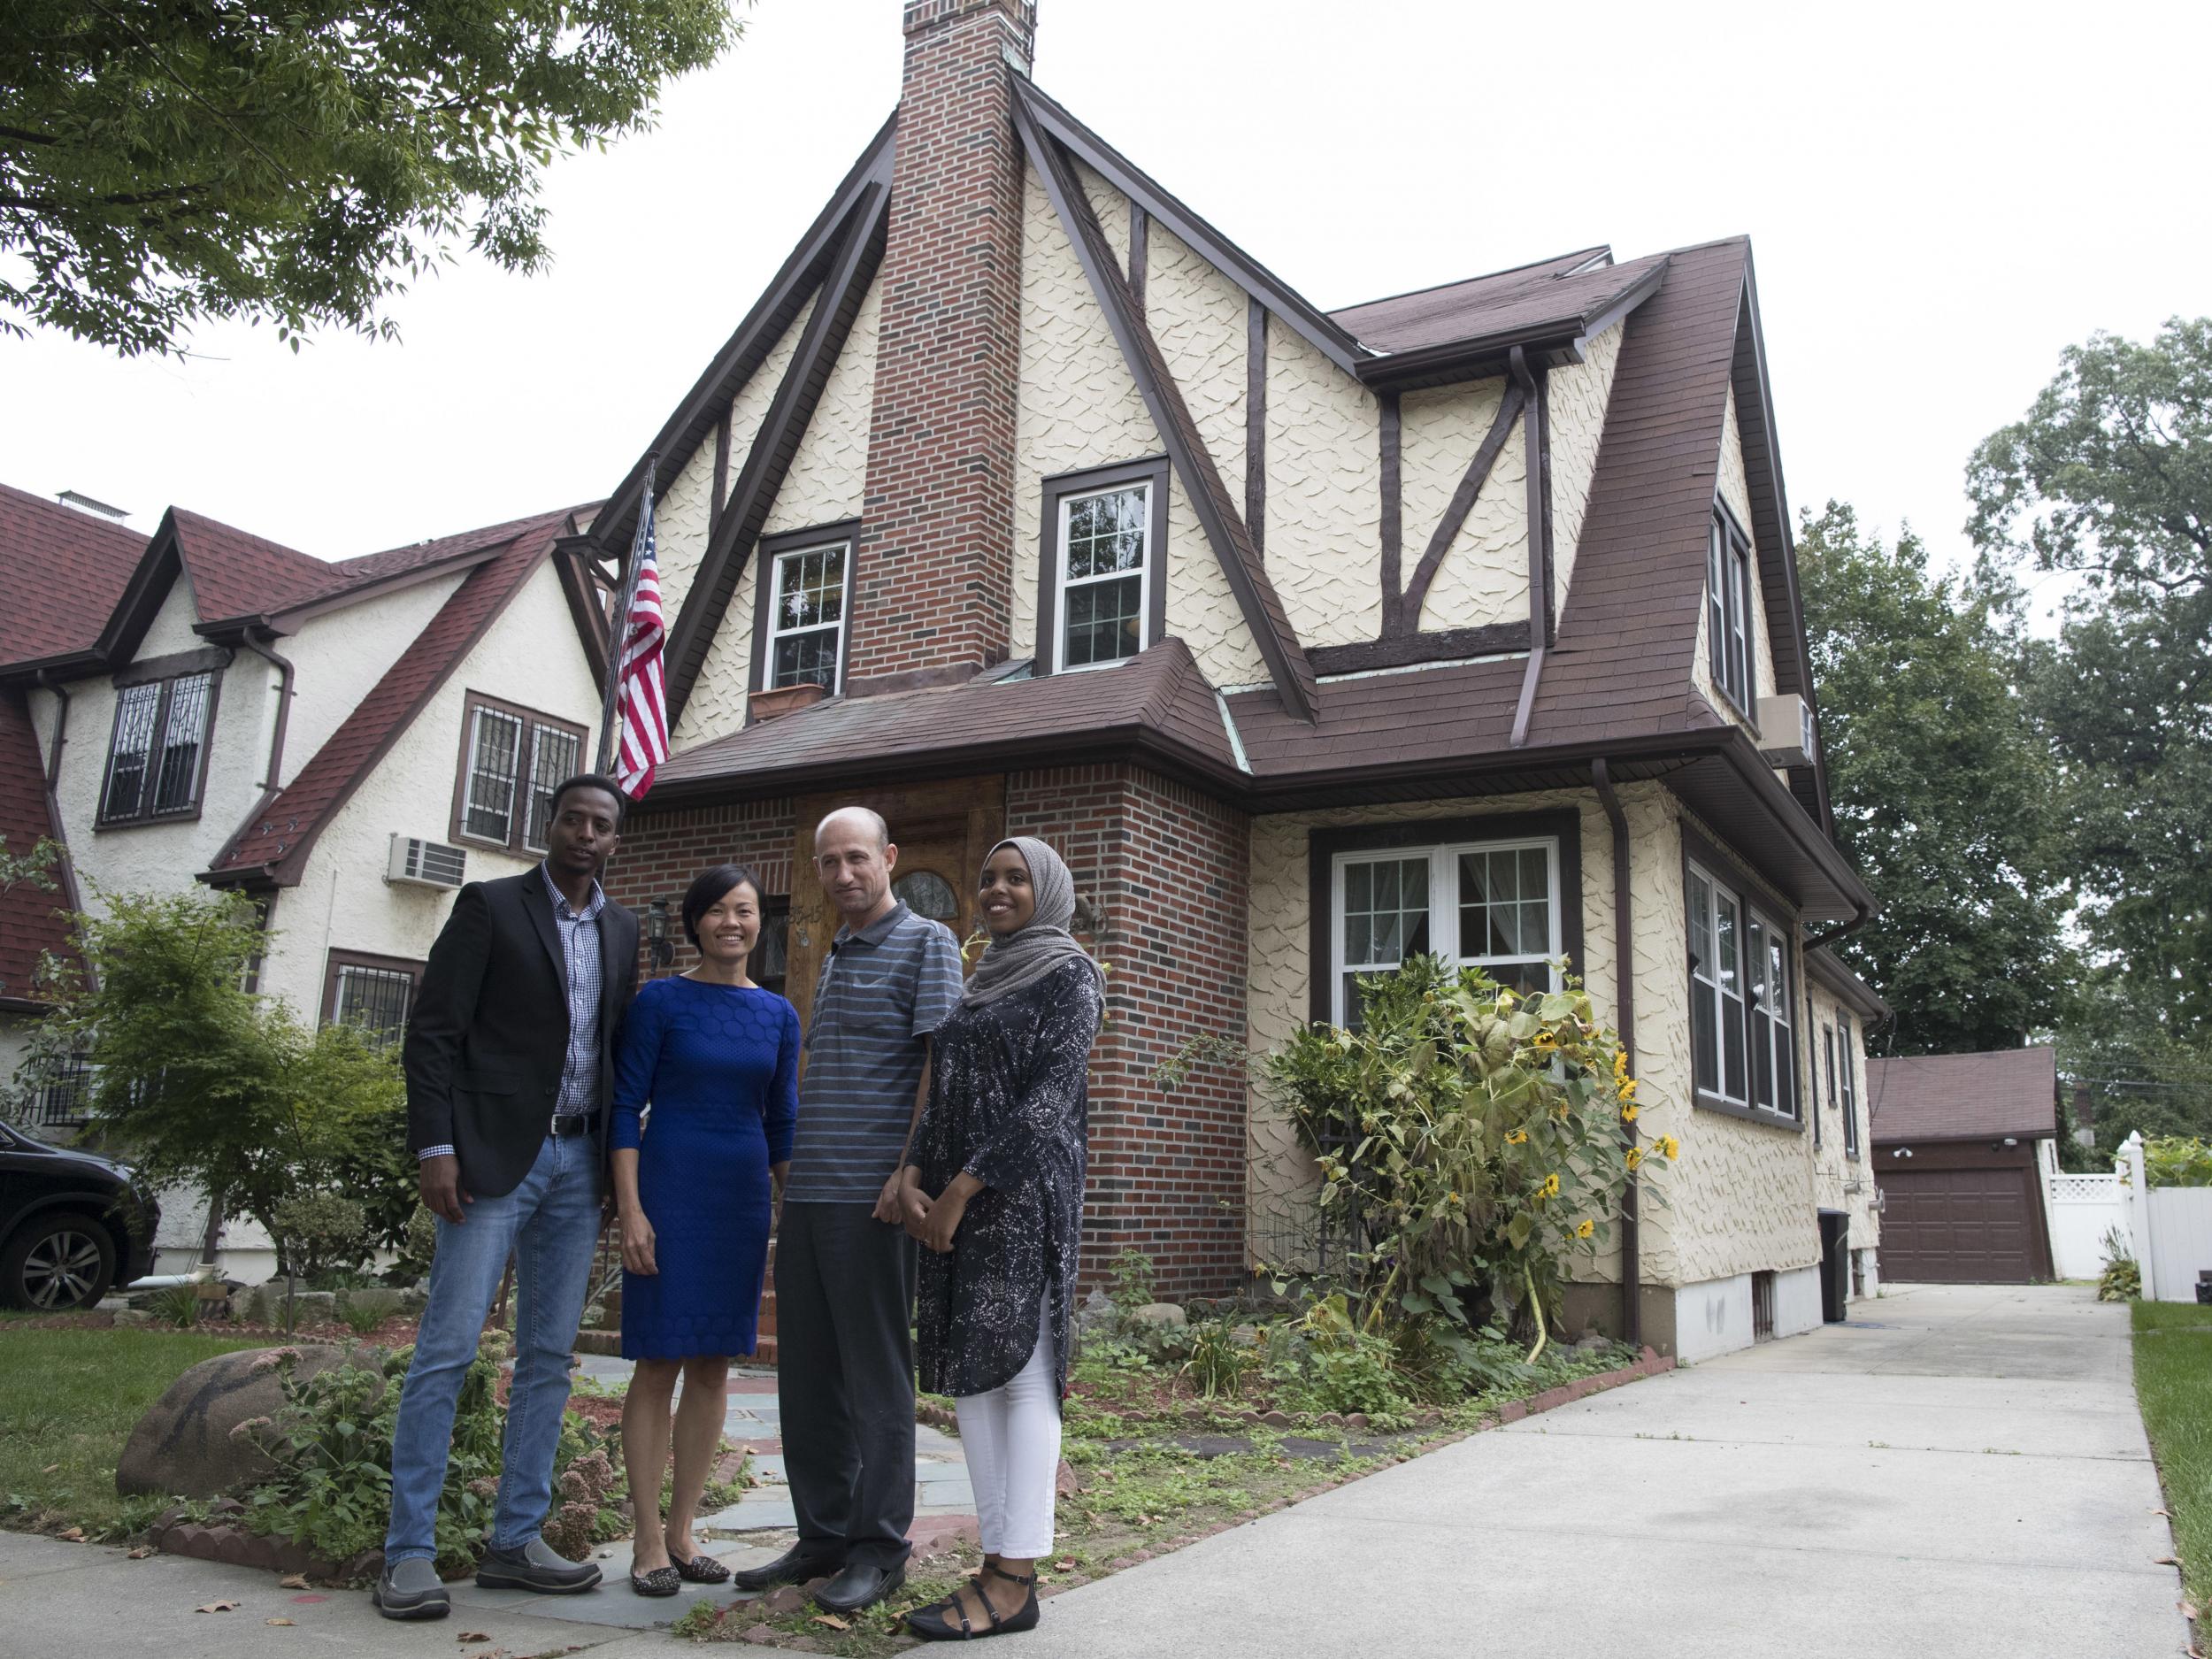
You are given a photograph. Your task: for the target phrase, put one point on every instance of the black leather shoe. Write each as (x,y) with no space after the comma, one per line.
(863,1584)
(795,1566)
(410,1589)
(535,1566)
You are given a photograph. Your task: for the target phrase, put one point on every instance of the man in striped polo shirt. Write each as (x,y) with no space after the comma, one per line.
(844,1264)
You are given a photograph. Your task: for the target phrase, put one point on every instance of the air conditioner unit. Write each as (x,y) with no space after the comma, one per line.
(421,864)
(1786,731)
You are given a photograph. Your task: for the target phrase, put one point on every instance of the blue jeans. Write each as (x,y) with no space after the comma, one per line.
(551,1222)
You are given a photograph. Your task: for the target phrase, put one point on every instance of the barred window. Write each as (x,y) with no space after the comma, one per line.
(157,758)
(375,993)
(512,761)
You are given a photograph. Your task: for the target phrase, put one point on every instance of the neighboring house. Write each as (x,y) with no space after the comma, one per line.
(345,742)
(1465,621)
(1955,1158)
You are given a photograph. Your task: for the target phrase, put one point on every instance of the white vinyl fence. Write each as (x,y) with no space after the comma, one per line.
(2171,1227)
(2081,1209)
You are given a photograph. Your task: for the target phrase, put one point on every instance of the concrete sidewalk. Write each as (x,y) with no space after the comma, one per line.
(1962,1470)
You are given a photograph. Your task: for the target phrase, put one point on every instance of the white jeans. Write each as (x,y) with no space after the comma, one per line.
(1011,1436)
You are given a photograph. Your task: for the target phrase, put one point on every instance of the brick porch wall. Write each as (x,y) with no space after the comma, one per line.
(1168,867)
(662,851)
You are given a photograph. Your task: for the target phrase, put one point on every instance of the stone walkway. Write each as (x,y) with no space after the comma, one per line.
(755,1528)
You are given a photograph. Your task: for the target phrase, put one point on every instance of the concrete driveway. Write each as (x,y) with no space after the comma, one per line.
(1959,1471)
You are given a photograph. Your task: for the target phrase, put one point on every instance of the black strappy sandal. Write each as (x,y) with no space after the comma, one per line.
(702,1570)
(660,1581)
(934,1623)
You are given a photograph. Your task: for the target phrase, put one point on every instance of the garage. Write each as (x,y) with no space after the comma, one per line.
(1956,1140)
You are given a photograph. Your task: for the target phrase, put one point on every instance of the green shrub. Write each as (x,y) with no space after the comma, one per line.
(332,1444)
(2177,1161)
(2122,1280)
(1217,1365)
(1131,1276)
(359,1319)
(178,1305)
(322,1232)
(1470,1138)
(1325,1362)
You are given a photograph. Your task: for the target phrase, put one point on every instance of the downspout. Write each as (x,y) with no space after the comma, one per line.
(1532,465)
(1625,1000)
(270,785)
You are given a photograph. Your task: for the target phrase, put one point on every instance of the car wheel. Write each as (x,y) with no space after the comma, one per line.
(57,1262)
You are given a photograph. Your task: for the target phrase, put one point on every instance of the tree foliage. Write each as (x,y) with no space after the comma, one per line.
(2108,476)
(1941,790)
(205,1082)
(165,161)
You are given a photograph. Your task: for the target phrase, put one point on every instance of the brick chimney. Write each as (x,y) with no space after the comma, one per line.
(933,585)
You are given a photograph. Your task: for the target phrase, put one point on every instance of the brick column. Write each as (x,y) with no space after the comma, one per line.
(933,583)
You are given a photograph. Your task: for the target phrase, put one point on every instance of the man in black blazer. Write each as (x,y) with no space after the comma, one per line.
(509,1072)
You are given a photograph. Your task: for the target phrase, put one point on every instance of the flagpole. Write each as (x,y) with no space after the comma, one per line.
(618,623)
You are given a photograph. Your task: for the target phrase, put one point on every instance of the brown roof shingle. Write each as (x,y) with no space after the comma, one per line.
(61,574)
(1504,302)
(1964,1096)
(30,917)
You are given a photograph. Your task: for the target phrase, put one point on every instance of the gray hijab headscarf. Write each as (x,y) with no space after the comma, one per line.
(1019,960)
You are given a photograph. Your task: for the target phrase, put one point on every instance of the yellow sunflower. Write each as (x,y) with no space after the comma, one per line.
(1635,1157)
(1670,1147)
(1628,1113)
(1585,1228)
(1518,1136)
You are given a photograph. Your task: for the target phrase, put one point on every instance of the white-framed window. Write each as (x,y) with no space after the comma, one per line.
(1492,904)
(1742,1033)
(1103,575)
(1728,620)
(1844,1037)
(806,616)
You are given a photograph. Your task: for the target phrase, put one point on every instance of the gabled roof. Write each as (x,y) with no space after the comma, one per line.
(272,847)
(61,574)
(1964,1096)
(30,917)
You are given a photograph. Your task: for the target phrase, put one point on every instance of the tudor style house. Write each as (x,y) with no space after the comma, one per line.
(1464,621)
(344,741)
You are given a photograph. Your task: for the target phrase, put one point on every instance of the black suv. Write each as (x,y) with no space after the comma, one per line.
(72,1224)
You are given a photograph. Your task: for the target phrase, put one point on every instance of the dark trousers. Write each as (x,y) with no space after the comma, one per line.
(845,1378)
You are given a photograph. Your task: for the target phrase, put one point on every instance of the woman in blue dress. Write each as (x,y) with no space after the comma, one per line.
(717,1060)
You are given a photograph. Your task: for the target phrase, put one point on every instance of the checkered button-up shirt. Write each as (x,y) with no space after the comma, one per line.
(580,972)
(579,960)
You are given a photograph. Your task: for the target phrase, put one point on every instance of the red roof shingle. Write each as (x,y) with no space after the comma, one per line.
(276,844)
(61,572)
(1964,1096)
(30,917)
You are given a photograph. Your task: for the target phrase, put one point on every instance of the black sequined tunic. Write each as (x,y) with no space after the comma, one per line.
(1008,1103)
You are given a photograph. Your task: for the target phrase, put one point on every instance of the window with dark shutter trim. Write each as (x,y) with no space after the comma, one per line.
(512,758)
(157,754)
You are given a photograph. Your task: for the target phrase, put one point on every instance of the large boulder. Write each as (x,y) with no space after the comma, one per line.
(183,1447)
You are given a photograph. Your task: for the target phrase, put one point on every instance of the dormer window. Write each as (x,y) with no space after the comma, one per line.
(1104,594)
(1728,610)
(158,755)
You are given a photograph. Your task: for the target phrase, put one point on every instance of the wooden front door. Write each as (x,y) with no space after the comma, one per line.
(943,832)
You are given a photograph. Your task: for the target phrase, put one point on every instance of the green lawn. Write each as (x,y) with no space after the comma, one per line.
(68,1401)
(2173,1379)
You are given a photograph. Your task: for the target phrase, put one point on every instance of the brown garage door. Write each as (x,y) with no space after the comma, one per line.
(1956,1226)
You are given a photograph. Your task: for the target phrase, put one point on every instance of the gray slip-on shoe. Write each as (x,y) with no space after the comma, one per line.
(535,1566)
(410,1589)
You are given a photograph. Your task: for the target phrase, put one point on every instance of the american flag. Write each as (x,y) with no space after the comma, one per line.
(644,707)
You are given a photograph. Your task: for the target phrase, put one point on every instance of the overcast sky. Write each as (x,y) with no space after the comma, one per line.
(1940,198)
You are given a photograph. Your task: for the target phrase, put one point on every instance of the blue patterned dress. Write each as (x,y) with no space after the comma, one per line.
(719,1066)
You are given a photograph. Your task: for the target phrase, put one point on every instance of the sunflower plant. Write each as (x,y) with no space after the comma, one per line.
(1474,1140)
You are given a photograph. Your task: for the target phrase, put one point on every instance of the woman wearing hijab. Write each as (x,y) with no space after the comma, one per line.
(994,1193)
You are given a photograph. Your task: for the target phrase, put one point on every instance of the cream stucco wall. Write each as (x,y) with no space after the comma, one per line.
(1840,1182)
(162,858)
(681,522)
(1740,1199)
(1080,408)
(341,655)
(530,656)
(828,476)
(1484,576)
(1324,494)
(1579,394)
(1199,319)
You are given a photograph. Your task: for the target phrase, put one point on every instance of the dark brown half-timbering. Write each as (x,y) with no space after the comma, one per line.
(1401,609)
(1255,422)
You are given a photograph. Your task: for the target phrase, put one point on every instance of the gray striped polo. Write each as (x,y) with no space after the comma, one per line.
(882,991)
